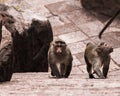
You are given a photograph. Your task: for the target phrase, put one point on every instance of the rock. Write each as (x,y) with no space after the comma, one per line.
(106,7)
(31,37)
(6,63)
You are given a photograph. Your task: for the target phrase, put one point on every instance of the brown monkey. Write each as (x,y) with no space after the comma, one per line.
(60,59)
(97,56)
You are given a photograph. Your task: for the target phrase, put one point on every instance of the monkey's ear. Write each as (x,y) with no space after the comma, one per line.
(89,43)
(51,43)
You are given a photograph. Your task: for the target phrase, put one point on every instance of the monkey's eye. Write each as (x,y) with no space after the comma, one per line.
(57,45)
(63,45)
(60,45)
(102,43)
(105,44)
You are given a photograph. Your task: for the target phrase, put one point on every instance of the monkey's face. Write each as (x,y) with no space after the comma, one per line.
(59,47)
(104,49)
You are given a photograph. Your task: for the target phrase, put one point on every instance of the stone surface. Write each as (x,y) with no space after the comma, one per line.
(73,37)
(76,84)
(80,16)
(61,7)
(116,56)
(77,47)
(91,28)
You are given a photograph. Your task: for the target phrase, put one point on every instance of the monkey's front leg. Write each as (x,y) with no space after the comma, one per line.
(55,71)
(62,69)
(68,70)
(106,66)
(96,69)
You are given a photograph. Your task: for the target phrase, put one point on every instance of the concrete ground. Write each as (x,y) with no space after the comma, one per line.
(76,26)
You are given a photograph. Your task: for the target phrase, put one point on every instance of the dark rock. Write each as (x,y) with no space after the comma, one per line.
(106,7)
(31,37)
(6,63)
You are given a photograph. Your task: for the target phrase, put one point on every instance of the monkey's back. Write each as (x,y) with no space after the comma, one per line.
(90,52)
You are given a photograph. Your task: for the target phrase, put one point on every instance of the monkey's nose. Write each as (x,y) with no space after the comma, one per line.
(59,50)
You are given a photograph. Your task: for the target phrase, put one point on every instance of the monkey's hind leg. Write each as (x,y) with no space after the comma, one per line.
(54,71)
(106,67)
(89,68)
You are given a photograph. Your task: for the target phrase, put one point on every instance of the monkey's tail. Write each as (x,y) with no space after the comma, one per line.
(108,23)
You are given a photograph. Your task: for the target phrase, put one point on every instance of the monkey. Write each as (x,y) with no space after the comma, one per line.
(60,59)
(108,23)
(96,57)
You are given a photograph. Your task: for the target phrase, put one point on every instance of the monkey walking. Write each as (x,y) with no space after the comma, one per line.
(96,57)
(60,59)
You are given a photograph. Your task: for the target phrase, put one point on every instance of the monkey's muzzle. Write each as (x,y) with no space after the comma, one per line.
(59,51)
